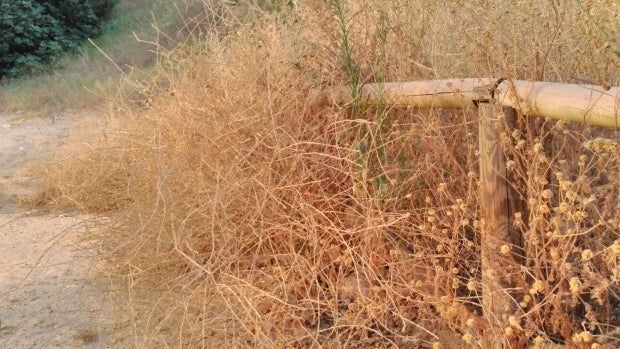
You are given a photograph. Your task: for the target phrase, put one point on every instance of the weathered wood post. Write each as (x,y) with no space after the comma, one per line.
(501,244)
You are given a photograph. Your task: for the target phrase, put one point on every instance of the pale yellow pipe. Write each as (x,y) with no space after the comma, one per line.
(593,105)
(588,104)
(449,94)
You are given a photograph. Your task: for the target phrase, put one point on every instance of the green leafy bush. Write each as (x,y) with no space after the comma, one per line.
(34,33)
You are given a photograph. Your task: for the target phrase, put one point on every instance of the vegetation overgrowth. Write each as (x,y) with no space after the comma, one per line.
(247,216)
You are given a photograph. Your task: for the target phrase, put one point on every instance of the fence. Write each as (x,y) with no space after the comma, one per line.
(495,99)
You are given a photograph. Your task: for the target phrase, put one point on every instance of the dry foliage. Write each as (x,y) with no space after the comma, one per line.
(245,216)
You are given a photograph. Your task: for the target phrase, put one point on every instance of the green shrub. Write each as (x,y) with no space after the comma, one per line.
(35,33)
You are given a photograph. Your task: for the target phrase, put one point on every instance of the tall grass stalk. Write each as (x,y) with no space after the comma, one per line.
(370,141)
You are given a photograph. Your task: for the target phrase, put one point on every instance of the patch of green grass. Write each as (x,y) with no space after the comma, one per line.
(127,48)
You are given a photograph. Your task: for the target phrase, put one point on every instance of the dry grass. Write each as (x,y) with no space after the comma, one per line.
(248,217)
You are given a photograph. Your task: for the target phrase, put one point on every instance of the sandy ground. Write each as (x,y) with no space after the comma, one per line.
(49,293)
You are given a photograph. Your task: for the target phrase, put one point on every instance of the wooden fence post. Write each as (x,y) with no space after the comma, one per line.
(500,242)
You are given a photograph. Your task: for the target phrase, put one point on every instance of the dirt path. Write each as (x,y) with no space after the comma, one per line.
(48,294)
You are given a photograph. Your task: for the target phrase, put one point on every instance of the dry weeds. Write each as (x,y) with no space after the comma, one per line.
(247,216)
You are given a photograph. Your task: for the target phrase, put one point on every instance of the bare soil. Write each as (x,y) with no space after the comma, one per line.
(50,292)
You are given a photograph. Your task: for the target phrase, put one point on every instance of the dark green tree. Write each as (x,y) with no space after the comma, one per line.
(34,33)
